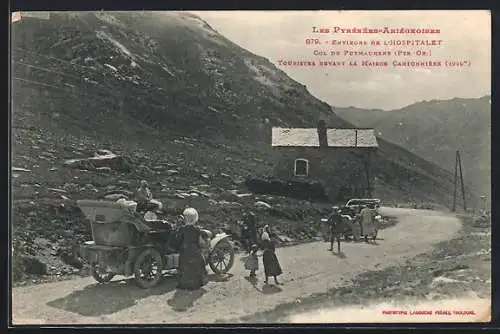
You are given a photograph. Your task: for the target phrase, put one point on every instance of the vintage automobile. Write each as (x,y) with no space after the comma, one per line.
(356,203)
(125,243)
(352,227)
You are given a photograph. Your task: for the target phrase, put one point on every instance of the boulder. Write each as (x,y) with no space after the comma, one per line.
(19,169)
(104,169)
(262,204)
(112,161)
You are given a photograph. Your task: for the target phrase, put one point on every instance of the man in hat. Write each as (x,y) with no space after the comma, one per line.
(336,226)
(250,229)
(143,197)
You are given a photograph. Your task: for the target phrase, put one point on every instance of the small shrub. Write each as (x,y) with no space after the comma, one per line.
(34,266)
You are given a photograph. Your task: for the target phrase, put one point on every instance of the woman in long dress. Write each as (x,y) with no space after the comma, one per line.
(271,264)
(192,267)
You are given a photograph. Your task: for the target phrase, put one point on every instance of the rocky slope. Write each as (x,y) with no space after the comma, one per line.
(435,130)
(162,97)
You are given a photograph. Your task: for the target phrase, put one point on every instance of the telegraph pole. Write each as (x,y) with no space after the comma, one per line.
(461,180)
(458,169)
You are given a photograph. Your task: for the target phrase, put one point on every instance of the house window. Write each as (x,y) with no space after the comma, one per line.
(301,167)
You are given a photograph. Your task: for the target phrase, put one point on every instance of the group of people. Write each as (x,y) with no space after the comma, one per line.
(189,239)
(252,243)
(365,224)
(192,272)
(272,267)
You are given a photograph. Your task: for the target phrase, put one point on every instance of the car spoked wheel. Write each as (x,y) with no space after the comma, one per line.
(101,275)
(221,259)
(148,268)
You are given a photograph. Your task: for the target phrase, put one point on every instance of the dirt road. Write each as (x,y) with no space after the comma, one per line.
(308,269)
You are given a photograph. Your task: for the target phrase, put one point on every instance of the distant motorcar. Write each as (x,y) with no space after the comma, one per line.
(356,203)
(363,201)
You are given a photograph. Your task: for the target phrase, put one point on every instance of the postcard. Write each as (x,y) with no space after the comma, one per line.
(250,167)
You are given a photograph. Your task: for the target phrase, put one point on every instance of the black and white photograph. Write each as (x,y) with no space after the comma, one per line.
(250,167)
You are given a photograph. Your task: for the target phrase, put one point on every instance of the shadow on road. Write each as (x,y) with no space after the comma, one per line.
(219,278)
(184,299)
(101,299)
(270,289)
(373,242)
(267,289)
(340,254)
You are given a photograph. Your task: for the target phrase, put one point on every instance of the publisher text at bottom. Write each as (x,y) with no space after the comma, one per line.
(429,312)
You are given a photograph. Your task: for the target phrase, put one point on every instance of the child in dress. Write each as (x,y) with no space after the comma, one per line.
(252,262)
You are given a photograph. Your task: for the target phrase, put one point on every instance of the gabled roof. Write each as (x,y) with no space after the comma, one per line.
(308,137)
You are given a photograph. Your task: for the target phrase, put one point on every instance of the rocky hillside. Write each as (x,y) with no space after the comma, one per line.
(435,130)
(102,100)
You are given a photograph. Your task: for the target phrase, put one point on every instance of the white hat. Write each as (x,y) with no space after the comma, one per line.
(190,216)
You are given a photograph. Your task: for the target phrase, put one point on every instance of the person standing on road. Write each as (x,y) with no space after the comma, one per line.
(357,228)
(271,264)
(250,222)
(192,266)
(336,228)
(244,237)
(368,221)
(252,262)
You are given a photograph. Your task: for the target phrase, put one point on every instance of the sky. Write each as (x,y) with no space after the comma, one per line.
(464,35)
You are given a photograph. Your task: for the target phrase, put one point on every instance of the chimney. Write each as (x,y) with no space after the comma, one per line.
(323,140)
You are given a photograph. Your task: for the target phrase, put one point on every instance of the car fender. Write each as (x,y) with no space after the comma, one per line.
(219,238)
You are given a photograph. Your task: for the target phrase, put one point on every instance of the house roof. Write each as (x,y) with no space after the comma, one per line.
(308,137)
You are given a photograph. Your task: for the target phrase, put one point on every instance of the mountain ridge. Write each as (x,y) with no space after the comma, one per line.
(435,129)
(484,96)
